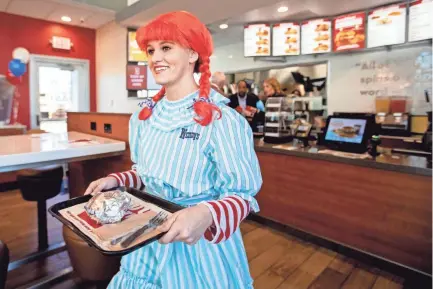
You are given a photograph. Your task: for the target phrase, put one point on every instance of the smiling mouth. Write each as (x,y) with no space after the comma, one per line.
(160,69)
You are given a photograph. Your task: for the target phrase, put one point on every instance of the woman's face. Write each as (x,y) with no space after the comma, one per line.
(169,62)
(268,89)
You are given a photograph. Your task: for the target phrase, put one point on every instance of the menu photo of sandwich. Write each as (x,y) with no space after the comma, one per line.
(321,37)
(321,47)
(322,27)
(262,41)
(349,36)
(291,50)
(262,50)
(261,32)
(291,40)
(291,31)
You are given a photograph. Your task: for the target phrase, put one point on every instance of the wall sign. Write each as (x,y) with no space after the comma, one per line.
(316,36)
(349,32)
(61,43)
(286,39)
(135,54)
(136,77)
(257,40)
(420,20)
(387,26)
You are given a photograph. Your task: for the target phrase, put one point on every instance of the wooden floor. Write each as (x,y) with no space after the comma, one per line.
(277,261)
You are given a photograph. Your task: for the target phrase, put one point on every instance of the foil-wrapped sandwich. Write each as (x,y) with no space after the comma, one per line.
(109,207)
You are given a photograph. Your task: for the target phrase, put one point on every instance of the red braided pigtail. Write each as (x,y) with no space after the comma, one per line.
(203,107)
(149,104)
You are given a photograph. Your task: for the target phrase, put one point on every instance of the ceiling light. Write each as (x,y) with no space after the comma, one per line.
(283,9)
(230,56)
(66,19)
(224,26)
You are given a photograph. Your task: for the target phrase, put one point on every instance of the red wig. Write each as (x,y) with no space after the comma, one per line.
(186,30)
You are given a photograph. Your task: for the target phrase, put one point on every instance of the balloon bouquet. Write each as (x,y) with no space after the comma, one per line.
(17,67)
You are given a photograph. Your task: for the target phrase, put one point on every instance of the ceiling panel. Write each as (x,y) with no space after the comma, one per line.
(75,13)
(4,4)
(98,20)
(31,8)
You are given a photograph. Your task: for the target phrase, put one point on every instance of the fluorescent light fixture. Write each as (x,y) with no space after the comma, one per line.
(224,26)
(66,19)
(283,9)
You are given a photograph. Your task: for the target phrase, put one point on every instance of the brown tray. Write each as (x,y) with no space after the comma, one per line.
(166,205)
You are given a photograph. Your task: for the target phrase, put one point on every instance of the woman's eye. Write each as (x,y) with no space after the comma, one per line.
(166,48)
(150,51)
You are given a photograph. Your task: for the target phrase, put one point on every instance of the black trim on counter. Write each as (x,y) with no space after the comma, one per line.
(381,165)
(9,186)
(414,279)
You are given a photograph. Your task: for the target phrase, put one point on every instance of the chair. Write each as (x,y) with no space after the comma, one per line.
(39,185)
(4,263)
(88,263)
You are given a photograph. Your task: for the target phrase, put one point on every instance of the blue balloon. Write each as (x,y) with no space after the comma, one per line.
(17,67)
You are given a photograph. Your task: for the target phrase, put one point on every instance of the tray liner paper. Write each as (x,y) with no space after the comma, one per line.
(102,234)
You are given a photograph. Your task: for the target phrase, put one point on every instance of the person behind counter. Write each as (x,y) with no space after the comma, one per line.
(272,88)
(218,80)
(248,104)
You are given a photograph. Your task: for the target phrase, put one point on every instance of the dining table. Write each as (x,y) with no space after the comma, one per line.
(33,151)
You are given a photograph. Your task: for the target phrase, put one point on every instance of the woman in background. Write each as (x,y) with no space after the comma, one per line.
(272,88)
(190,148)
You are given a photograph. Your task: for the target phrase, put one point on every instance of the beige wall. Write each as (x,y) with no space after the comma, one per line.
(111,70)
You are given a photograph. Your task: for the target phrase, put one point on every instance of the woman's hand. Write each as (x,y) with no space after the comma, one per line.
(187,225)
(101,184)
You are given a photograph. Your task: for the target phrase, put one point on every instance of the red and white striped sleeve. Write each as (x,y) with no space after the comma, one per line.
(128,179)
(227,214)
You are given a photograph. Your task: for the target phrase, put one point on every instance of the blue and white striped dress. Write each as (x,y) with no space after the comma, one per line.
(186,163)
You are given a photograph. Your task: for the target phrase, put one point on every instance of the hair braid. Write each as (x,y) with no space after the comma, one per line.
(204,108)
(147,110)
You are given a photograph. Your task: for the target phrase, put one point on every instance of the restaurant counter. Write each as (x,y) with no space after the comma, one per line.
(410,164)
(381,207)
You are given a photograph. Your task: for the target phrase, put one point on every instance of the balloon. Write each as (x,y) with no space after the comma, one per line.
(13,79)
(21,54)
(17,67)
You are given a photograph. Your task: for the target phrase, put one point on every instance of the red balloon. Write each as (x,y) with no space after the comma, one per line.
(12,79)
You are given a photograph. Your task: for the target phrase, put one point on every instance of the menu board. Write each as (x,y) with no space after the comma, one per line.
(285,39)
(387,26)
(136,77)
(257,40)
(135,54)
(316,36)
(349,32)
(420,20)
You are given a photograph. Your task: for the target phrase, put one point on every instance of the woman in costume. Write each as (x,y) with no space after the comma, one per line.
(188,147)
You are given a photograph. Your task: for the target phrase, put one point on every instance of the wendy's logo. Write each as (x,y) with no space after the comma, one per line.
(185,134)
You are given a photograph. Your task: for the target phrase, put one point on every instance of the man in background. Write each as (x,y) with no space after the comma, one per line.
(218,80)
(248,104)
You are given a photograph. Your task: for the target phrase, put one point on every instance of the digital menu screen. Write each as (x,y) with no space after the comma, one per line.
(420,20)
(316,36)
(285,39)
(136,77)
(257,40)
(346,130)
(349,32)
(134,52)
(387,26)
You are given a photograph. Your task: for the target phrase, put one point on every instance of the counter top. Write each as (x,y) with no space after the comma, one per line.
(26,151)
(386,161)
